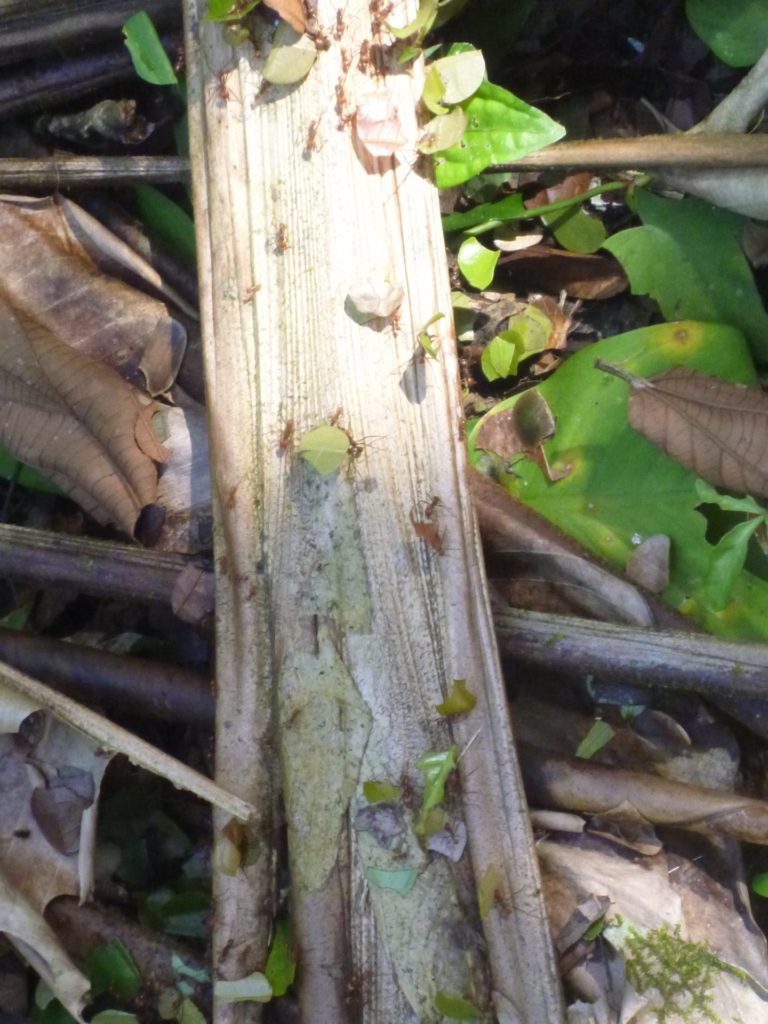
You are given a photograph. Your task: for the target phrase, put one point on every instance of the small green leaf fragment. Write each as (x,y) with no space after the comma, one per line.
(442,131)
(459,700)
(376,791)
(280,968)
(110,968)
(420,25)
(477,263)
(728,502)
(150,61)
(253,988)
(436,768)
(324,448)
(115,1017)
(596,929)
(402,880)
(189,1013)
(726,562)
(432,93)
(167,221)
(576,230)
(455,1008)
(501,355)
(461,75)
(291,57)
(599,734)
(491,882)
(506,209)
(759,884)
(424,339)
(200,974)
(227,10)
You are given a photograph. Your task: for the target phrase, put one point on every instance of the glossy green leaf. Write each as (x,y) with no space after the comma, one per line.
(726,562)
(508,208)
(455,1008)
(420,25)
(110,968)
(436,767)
(376,791)
(501,356)
(167,221)
(150,61)
(759,884)
(500,128)
(599,734)
(459,700)
(576,231)
(620,487)
(280,968)
(291,57)
(477,263)
(254,988)
(325,448)
(461,74)
(728,502)
(402,880)
(736,33)
(688,257)
(442,131)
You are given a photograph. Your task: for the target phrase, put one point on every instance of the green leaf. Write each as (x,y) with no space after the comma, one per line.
(168,221)
(455,1008)
(726,562)
(576,231)
(599,734)
(424,339)
(420,25)
(402,880)
(461,74)
(115,1017)
(376,791)
(736,33)
(491,882)
(253,988)
(477,263)
(110,968)
(759,884)
(508,208)
(291,57)
(500,128)
(150,60)
(325,448)
(727,502)
(442,131)
(501,355)
(622,487)
(436,768)
(229,10)
(459,700)
(432,93)
(688,257)
(280,969)
(189,1013)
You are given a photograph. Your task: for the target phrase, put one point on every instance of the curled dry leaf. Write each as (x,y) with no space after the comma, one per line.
(378,125)
(714,427)
(291,11)
(78,422)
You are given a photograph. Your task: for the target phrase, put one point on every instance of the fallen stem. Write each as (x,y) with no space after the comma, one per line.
(62,172)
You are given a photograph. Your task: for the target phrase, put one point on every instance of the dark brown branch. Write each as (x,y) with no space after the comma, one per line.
(649,151)
(18,173)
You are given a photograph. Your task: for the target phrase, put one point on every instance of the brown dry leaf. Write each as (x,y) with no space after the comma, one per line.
(48,273)
(78,422)
(291,11)
(714,427)
(571,185)
(543,267)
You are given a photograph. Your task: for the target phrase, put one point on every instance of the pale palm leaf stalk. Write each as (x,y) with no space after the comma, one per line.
(340,629)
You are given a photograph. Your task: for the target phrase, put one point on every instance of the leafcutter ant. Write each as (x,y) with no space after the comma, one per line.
(250,291)
(310,145)
(427,529)
(285,438)
(281,242)
(364,57)
(338,28)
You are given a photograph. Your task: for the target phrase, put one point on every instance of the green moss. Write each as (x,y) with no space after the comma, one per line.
(683,973)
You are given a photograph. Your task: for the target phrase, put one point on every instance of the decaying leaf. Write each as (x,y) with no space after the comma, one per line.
(648,565)
(542,267)
(291,11)
(378,125)
(78,422)
(521,428)
(372,297)
(714,427)
(291,57)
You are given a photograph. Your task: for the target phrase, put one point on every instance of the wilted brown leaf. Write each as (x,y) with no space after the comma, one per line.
(522,428)
(291,11)
(714,427)
(78,422)
(543,267)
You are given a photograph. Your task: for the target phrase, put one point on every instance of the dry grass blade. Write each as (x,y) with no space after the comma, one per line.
(714,427)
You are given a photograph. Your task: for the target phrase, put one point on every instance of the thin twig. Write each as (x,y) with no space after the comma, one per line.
(64,172)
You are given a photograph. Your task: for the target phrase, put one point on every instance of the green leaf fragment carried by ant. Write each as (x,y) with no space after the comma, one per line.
(150,61)
(420,25)
(759,884)
(455,1008)
(599,734)
(500,128)
(324,448)
(442,131)
(253,988)
(424,339)
(291,57)
(110,968)
(432,93)
(226,10)
(436,768)
(459,700)
(491,882)
(376,791)
(460,74)
(402,880)
(477,263)
(280,968)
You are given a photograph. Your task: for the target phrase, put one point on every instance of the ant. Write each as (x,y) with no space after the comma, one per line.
(250,291)
(338,28)
(285,438)
(281,242)
(341,102)
(426,528)
(310,146)
(364,57)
